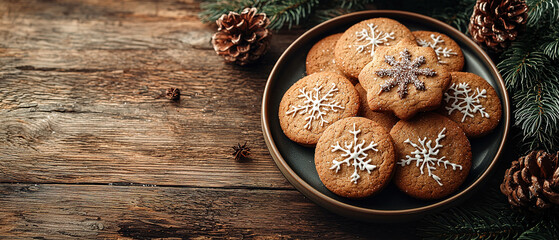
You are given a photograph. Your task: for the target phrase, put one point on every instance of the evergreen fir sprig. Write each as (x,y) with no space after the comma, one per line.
(289,12)
(488,216)
(284,13)
(458,15)
(550,42)
(330,9)
(551,49)
(537,114)
(531,73)
(543,230)
(521,65)
(539,9)
(212,10)
(455,13)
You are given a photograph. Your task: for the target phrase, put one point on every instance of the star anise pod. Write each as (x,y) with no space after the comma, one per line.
(174,94)
(241,152)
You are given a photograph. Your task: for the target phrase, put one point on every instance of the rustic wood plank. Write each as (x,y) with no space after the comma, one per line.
(112,126)
(81,101)
(100,211)
(95,24)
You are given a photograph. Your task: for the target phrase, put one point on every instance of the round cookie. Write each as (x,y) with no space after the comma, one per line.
(357,46)
(355,157)
(315,102)
(385,119)
(404,79)
(321,56)
(433,156)
(447,50)
(472,103)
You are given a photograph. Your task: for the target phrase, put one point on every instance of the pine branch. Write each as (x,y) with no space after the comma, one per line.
(529,68)
(542,9)
(488,217)
(521,65)
(321,15)
(289,13)
(457,15)
(550,41)
(281,13)
(551,49)
(537,113)
(334,8)
(352,4)
(213,10)
(543,230)
(284,13)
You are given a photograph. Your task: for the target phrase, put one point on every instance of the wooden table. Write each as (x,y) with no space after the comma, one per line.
(90,147)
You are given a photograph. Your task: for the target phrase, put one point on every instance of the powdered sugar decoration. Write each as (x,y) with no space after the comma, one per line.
(468,104)
(316,106)
(404,72)
(425,156)
(372,37)
(440,51)
(356,152)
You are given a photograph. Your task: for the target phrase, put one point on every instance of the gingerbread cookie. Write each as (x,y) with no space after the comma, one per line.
(433,156)
(355,157)
(447,50)
(357,46)
(314,103)
(472,103)
(385,119)
(404,79)
(321,56)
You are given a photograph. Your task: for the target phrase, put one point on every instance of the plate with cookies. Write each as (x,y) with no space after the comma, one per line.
(385,115)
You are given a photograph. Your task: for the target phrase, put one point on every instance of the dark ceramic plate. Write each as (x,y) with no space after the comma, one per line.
(297,164)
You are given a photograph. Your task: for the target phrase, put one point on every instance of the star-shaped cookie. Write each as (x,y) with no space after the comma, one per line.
(404,79)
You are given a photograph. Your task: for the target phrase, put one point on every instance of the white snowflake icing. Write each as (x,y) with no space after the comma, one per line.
(372,37)
(425,154)
(356,152)
(468,104)
(315,106)
(445,52)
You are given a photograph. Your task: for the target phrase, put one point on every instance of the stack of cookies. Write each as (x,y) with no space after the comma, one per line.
(383,104)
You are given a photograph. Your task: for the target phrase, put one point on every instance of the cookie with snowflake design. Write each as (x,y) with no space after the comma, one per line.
(385,119)
(447,50)
(472,103)
(355,158)
(315,102)
(404,79)
(433,156)
(357,46)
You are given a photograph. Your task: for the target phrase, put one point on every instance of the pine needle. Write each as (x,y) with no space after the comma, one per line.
(541,9)
(521,65)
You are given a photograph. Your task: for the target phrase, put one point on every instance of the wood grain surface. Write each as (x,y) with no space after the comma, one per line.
(91,148)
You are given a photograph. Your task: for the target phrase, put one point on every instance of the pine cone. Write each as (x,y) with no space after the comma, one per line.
(533,181)
(496,23)
(242,38)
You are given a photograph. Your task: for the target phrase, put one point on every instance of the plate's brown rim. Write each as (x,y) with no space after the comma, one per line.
(314,194)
